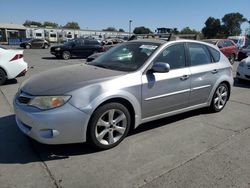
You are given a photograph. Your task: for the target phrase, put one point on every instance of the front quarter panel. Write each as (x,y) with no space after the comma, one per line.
(127,87)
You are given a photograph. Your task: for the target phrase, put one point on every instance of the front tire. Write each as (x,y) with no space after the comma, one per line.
(27,46)
(220,98)
(66,55)
(3,77)
(109,125)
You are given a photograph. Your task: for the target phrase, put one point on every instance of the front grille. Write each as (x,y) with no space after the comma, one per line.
(23,100)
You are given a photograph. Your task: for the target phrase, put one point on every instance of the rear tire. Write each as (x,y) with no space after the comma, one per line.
(66,55)
(3,77)
(220,98)
(108,126)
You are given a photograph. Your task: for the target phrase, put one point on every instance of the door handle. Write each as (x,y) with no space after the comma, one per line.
(214,71)
(184,77)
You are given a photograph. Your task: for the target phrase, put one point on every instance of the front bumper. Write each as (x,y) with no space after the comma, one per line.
(62,125)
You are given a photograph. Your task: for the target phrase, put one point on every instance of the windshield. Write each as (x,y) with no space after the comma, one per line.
(126,57)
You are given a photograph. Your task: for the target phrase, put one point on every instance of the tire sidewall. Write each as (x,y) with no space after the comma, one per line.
(95,117)
(212,106)
(4,78)
(66,52)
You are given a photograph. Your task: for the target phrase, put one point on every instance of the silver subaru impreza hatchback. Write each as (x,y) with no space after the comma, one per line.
(132,83)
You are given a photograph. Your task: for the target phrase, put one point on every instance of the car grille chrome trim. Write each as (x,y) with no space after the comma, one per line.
(167,95)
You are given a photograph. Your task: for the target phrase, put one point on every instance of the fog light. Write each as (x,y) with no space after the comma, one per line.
(49,133)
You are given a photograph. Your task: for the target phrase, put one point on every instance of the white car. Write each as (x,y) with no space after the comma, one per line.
(12,64)
(243,70)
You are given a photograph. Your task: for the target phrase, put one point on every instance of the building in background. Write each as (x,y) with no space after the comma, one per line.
(11,32)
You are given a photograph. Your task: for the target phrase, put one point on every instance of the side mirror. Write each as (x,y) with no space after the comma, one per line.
(160,67)
(219,46)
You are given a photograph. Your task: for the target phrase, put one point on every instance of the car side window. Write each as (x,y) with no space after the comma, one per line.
(173,55)
(78,43)
(215,53)
(199,54)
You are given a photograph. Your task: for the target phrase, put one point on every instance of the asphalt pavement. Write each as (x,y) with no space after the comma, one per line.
(194,149)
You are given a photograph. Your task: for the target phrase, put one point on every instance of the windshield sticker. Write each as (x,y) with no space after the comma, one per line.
(150,47)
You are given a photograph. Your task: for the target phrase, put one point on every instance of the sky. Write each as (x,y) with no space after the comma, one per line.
(100,14)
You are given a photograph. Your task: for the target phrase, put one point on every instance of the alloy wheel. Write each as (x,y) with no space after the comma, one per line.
(111,126)
(220,97)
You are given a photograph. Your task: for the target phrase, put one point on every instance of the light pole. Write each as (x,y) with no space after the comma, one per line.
(130,21)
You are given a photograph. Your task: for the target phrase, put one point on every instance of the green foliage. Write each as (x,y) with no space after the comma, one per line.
(121,30)
(72,25)
(187,30)
(229,26)
(28,23)
(212,28)
(142,30)
(110,29)
(232,23)
(50,24)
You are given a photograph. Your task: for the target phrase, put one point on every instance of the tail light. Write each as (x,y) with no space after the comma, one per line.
(16,57)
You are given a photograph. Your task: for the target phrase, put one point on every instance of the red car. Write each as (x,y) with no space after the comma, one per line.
(226,46)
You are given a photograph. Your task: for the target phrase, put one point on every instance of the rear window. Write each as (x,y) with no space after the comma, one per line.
(215,54)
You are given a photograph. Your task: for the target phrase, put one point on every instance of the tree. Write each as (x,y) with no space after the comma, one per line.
(28,23)
(212,28)
(187,30)
(142,30)
(232,23)
(110,29)
(121,30)
(175,31)
(50,24)
(72,25)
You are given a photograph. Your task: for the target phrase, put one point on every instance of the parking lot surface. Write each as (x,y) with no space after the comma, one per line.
(194,149)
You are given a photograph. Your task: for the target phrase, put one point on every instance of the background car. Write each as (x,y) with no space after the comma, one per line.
(132,83)
(243,69)
(12,64)
(226,46)
(244,53)
(77,48)
(35,43)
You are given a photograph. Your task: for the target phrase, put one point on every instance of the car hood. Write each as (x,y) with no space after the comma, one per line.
(65,79)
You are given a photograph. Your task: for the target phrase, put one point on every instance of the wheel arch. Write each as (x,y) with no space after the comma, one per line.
(4,70)
(118,99)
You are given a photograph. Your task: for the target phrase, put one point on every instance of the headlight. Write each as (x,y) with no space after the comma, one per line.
(57,49)
(241,64)
(48,102)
